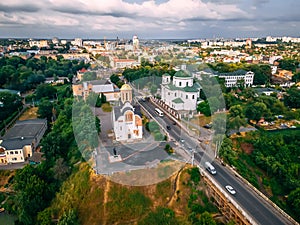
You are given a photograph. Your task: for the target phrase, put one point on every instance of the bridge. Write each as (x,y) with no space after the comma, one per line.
(248,206)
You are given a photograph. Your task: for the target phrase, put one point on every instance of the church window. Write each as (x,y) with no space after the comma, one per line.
(129,116)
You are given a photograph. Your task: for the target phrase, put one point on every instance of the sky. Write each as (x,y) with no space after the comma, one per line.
(156,19)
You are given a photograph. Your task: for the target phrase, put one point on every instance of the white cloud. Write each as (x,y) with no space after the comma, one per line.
(113,16)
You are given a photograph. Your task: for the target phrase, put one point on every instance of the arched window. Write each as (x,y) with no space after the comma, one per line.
(128,116)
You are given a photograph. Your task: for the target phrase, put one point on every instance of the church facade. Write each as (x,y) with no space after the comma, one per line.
(180,93)
(127,121)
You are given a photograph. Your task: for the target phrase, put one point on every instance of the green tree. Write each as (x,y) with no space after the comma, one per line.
(236,117)
(69,218)
(33,192)
(114,78)
(153,89)
(227,153)
(9,103)
(256,111)
(204,108)
(88,76)
(98,124)
(45,109)
(45,91)
(288,64)
(61,170)
(235,111)
(262,73)
(206,219)
(45,217)
(294,202)
(292,99)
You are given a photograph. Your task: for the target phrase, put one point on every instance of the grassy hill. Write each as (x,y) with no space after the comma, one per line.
(94,199)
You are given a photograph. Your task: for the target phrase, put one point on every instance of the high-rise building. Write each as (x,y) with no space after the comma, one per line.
(78,42)
(135,43)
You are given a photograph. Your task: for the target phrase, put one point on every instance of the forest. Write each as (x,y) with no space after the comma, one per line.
(23,75)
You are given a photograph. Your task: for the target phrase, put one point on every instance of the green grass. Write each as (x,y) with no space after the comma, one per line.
(126,204)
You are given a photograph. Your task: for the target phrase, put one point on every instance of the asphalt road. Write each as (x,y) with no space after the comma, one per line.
(260,210)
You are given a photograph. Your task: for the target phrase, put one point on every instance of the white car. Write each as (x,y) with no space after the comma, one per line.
(230,189)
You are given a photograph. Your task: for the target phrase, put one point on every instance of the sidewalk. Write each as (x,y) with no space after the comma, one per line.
(14,166)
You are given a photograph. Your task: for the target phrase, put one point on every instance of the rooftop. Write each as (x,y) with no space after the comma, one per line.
(126,87)
(182,73)
(22,133)
(177,100)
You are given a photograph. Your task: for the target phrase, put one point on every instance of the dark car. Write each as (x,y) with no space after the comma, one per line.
(207,126)
(168,127)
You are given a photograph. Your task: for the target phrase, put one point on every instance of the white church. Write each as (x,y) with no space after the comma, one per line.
(127,123)
(181,92)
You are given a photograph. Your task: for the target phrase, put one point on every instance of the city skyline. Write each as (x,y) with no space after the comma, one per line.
(160,19)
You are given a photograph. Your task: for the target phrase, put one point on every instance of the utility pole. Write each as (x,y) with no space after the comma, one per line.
(193,157)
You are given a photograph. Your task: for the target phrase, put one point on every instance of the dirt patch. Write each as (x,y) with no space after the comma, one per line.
(200,120)
(5,176)
(247,148)
(30,113)
(181,196)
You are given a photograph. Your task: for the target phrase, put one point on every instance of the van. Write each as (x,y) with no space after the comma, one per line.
(210,168)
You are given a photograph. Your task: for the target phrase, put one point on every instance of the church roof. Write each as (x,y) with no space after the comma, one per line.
(182,73)
(190,89)
(177,100)
(126,87)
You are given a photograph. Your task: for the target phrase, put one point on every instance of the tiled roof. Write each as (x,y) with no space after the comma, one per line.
(190,89)
(234,73)
(177,100)
(182,73)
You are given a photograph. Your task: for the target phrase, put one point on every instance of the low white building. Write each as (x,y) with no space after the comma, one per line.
(231,79)
(127,121)
(21,140)
(123,63)
(181,92)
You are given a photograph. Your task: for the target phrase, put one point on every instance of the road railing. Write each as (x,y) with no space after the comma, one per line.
(230,199)
(279,210)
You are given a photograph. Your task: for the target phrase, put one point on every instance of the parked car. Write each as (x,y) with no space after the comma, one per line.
(230,189)
(31,162)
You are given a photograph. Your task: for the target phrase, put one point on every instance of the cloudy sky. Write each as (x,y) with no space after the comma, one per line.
(149,19)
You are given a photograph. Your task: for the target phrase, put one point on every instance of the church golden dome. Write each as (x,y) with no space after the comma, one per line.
(126,87)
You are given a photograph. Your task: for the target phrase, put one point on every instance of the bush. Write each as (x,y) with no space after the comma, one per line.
(106,107)
(158,136)
(195,175)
